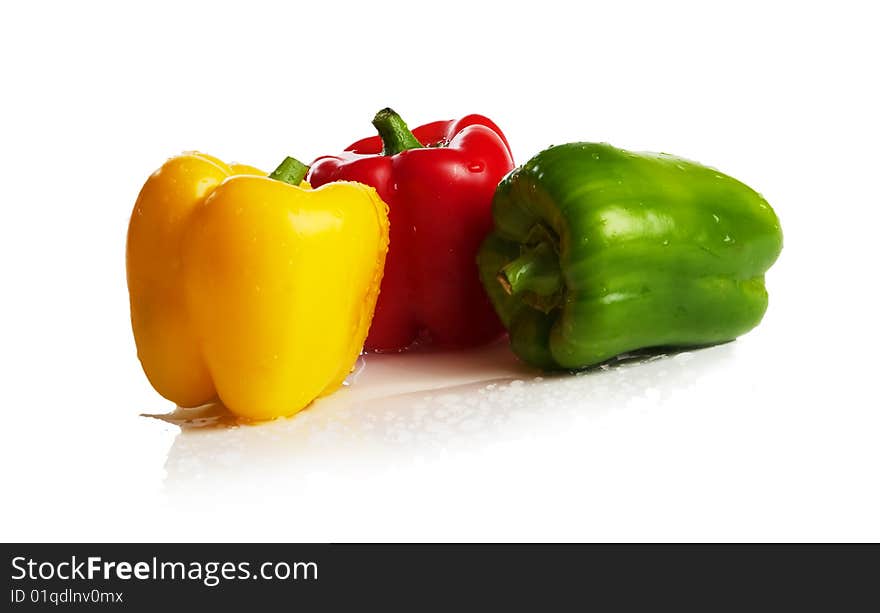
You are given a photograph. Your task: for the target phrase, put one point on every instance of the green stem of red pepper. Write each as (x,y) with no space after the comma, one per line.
(395,134)
(291,171)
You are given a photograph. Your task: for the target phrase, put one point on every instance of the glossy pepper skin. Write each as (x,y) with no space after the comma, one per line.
(438,181)
(599,251)
(250,289)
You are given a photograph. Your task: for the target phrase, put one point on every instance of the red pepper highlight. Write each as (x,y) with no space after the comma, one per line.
(438,181)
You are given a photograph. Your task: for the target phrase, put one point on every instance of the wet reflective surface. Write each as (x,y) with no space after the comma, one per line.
(728,442)
(384,438)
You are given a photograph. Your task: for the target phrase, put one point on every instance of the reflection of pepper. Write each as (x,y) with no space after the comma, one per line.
(254,290)
(599,251)
(438,181)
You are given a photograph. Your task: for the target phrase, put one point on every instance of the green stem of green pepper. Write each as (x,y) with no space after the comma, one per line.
(291,171)
(395,134)
(536,271)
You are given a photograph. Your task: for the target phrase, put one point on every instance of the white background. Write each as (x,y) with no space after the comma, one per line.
(773,437)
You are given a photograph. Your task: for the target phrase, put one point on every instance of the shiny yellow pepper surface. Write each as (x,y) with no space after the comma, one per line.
(254,290)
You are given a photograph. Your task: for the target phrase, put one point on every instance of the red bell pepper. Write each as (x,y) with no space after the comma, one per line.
(438,182)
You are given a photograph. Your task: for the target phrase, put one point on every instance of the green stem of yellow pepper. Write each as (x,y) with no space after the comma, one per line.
(291,171)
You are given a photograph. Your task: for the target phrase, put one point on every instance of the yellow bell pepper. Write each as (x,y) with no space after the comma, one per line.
(250,289)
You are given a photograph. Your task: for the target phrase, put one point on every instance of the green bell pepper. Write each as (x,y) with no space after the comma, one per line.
(599,251)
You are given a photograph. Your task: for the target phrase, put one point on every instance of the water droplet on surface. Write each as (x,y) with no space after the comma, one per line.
(595,156)
(716,218)
(475,167)
(666,243)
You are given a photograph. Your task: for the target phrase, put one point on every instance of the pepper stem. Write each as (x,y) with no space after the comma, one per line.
(395,135)
(291,171)
(536,270)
